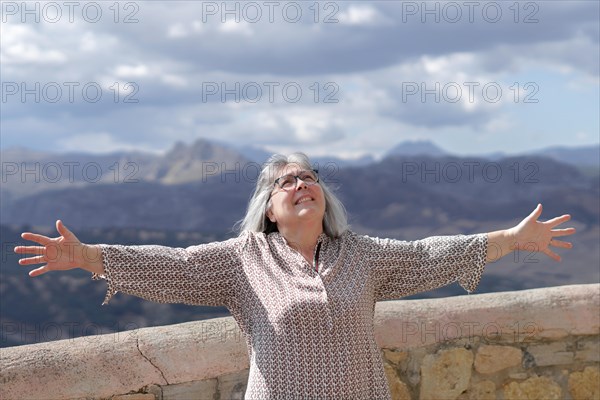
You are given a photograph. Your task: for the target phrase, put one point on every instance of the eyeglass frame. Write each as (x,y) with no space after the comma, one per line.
(296,178)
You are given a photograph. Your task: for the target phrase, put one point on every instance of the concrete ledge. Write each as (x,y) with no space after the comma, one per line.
(103,365)
(519,316)
(106,365)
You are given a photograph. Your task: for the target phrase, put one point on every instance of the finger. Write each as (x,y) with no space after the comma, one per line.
(535,214)
(62,229)
(29,250)
(34,237)
(551,254)
(32,260)
(39,271)
(563,232)
(558,220)
(560,243)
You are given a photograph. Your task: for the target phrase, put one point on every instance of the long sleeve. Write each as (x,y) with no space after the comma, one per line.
(205,274)
(400,268)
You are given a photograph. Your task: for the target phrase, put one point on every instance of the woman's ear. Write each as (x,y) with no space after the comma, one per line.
(271,216)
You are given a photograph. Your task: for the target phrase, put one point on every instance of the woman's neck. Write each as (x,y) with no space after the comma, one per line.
(303,238)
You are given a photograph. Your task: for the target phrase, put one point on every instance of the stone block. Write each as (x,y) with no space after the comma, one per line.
(155,390)
(411,369)
(395,356)
(585,385)
(551,354)
(518,375)
(484,390)
(197,390)
(588,350)
(491,359)
(233,386)
(445,375)
(537,387)
(398,389)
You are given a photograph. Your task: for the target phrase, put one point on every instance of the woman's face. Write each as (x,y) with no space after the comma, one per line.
(299,202)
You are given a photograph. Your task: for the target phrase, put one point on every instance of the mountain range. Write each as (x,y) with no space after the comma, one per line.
(213,183)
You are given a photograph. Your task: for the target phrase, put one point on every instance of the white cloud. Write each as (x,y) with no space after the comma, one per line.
(177,31)
(499,124)
(448,64)
(265,120)
(569,55)
(22,45)
(88,42)
(442,91)
(582,136)
(197,26)
(232,27)
(369,54)
(131,71)
(97,142)
(359,15)
(174,80)
(313,126)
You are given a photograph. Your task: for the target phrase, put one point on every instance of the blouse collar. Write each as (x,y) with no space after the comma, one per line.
(320,239)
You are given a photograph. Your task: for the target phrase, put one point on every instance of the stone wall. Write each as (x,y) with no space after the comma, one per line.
(534,344)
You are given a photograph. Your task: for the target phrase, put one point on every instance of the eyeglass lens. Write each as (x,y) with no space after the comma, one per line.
(289,181)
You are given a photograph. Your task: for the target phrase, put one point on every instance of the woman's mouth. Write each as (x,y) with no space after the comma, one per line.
(303,199)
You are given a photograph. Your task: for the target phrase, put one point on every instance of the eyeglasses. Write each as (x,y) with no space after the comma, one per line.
(287,182)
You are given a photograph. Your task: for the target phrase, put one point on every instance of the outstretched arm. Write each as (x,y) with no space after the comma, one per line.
(402,268)
(205,274)
(60,254)
(530,234)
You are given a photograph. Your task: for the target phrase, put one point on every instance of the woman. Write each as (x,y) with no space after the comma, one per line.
(299,283)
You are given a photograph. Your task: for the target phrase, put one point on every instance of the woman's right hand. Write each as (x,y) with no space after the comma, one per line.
(61,253)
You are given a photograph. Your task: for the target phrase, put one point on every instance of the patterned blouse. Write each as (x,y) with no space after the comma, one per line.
(309,328)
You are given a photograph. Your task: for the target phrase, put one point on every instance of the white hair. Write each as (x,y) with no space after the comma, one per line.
(335,220)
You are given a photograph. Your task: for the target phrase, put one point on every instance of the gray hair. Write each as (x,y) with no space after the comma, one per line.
(335,221)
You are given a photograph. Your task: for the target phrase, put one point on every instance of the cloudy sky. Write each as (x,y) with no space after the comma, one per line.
(343,78)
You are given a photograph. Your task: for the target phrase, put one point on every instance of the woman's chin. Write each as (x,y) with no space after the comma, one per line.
(310,212)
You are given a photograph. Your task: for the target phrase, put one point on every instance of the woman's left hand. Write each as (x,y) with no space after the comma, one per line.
(534,235)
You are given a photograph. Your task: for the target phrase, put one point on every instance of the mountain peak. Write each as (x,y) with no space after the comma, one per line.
(417,148)
(188,162)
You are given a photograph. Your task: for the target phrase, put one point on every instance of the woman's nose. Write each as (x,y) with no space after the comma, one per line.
(300,184)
